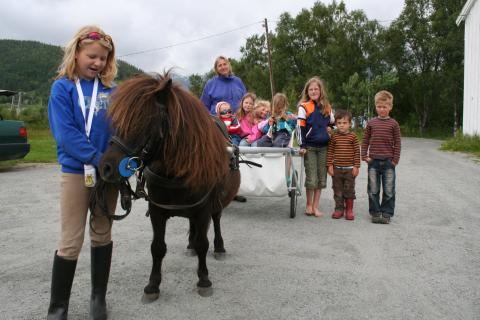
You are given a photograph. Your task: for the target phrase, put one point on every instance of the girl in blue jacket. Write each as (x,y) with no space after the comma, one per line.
(77,109)
(315,116)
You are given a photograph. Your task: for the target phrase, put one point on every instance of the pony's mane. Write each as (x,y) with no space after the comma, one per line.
(184,139)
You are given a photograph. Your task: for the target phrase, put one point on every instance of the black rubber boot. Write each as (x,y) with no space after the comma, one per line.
(100,260)
(63,272)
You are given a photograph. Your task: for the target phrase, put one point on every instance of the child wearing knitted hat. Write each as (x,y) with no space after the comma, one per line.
(225,113)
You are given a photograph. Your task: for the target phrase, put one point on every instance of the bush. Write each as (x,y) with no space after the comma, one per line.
(34,116)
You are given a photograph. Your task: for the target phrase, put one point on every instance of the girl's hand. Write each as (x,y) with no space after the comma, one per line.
(271,121)
(302,151)
(329,130)
(355,171)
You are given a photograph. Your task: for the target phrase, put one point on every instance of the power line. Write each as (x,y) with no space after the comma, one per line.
(190,41)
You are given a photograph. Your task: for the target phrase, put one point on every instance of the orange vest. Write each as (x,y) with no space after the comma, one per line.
(309,107)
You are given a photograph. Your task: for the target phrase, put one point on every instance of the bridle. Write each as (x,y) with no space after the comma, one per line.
(136,163)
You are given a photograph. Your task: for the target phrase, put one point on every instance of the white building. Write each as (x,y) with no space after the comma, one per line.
(471,92)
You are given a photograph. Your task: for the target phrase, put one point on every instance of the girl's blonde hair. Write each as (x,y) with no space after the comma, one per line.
(326,107)
(81,39)
(217,60)
(279,105)
(260,104)
(240,112)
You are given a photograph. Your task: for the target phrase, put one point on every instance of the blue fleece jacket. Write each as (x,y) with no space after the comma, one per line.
(230,89)
(313,125)
(67,124)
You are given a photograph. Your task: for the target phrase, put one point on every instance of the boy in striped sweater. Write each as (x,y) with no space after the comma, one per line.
(381,150)
(343,162)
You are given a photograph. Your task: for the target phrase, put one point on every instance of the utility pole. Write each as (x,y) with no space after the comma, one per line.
(270,71)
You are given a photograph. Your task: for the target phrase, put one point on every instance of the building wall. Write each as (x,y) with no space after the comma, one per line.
(471,96)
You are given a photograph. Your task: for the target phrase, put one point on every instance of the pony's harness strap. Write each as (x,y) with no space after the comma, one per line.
(180,206)
(169,183)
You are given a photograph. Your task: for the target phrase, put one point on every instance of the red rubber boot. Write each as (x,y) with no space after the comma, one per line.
(349,209)
(337,214)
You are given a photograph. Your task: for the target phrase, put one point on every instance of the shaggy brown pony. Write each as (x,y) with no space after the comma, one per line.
(187,166)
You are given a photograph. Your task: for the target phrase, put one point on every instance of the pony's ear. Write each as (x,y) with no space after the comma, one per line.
(163,89)
(168,84)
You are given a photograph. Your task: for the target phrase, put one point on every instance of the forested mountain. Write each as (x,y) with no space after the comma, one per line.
(30,66)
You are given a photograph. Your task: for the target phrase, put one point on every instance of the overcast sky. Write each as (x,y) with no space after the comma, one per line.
(143,25)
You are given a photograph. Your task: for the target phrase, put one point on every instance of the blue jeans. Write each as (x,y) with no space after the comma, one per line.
(235,138)
(244,143)
(381,172)
(280,139)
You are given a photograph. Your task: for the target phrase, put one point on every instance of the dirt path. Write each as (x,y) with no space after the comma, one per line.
(424,265)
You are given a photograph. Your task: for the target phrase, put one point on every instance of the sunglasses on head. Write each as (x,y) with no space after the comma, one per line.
(96,36)
(223,112)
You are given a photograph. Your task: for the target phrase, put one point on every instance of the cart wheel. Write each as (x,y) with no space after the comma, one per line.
(293,203)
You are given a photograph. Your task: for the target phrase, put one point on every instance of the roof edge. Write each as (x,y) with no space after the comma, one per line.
(465,11)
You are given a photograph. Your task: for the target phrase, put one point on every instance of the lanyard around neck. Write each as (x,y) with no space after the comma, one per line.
(88,122)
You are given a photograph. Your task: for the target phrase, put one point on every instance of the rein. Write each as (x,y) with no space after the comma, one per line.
(129,167)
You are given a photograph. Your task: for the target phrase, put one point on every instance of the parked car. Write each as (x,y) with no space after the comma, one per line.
(13,136)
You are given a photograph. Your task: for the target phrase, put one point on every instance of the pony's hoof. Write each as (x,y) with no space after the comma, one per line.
(150,297)
(190,252)
(205,292)
(220,256)
(204,283)
(220,249)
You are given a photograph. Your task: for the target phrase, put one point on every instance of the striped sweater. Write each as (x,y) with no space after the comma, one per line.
(381,140)
(343,150)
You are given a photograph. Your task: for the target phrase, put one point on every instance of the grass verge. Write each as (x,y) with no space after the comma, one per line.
(461,143)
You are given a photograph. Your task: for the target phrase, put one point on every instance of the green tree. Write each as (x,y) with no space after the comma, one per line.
(326,40)
(425,46)
(197,82)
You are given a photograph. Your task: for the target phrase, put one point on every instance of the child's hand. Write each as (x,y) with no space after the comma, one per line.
(329,131)
(292,116)
(330,170)
(368,160)
(302,151)
(271,121)
(355,171)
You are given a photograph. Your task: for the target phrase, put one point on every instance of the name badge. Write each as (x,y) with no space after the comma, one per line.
(90,176)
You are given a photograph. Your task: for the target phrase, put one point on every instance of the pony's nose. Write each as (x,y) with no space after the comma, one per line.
(107,172)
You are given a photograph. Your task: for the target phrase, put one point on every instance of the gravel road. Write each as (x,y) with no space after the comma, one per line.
(424,265)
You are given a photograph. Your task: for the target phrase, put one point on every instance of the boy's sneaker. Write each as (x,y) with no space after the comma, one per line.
(376,217)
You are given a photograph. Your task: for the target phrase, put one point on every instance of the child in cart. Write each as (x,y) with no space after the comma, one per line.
(225,113)
(280,126)
(252,128)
